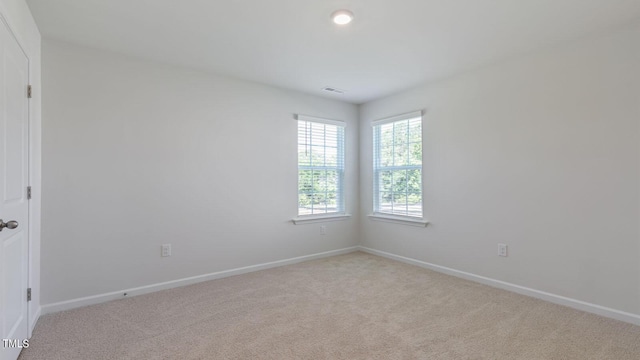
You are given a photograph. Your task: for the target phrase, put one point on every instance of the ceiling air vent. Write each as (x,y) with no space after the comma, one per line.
(333,90)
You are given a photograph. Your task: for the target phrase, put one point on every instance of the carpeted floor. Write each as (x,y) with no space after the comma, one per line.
(354,306)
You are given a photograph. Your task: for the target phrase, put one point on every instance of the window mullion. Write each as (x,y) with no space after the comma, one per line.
(406,172)
(324,144)
(406,191)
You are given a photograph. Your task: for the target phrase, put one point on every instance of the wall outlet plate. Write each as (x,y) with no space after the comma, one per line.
(166,250)
(502,250)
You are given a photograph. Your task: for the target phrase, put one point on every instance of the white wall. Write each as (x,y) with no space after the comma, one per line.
(541,153)
(18,16)
(138,154)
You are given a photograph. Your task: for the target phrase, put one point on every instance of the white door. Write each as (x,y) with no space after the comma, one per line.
(14,209)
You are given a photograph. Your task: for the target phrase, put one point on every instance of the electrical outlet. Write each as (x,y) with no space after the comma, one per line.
(166,250)
(323,229)
(502,250)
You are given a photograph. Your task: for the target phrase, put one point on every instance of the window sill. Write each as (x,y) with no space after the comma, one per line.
(403,220)
(312,219)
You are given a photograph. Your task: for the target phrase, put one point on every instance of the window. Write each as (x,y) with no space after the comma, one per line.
(397,165)
(320,166)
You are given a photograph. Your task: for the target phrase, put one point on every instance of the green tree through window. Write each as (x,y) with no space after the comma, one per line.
(398,166)
(320,168)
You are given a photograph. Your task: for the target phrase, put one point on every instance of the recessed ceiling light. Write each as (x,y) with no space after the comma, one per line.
(342,17)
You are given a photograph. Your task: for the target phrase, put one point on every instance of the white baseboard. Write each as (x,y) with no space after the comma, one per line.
(33,319)
(553,298)
(100,298)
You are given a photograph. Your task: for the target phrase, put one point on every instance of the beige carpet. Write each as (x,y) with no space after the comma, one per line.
(354,306)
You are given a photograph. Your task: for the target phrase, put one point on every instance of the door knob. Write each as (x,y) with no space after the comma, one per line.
(9,224)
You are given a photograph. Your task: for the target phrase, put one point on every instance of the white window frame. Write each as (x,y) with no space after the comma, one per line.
(340,214)
(388,217)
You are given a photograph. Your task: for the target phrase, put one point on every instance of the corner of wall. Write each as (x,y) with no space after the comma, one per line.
(361,212)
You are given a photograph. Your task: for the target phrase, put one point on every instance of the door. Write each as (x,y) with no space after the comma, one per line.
(14,209)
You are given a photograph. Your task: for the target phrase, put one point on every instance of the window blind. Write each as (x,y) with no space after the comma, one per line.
(320,166)
(397,165)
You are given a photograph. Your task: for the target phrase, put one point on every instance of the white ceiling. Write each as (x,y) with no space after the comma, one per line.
(390,46)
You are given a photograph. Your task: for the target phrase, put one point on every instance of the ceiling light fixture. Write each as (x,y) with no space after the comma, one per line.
(342,17)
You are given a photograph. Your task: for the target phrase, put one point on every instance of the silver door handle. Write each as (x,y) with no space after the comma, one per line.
(9,224)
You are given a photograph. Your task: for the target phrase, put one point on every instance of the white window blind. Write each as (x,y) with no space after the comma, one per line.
(320,166)
(397,165)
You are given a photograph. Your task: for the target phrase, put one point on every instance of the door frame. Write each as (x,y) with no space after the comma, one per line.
(32,315)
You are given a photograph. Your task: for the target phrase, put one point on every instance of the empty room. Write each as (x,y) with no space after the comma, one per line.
(320,179)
